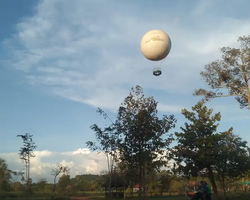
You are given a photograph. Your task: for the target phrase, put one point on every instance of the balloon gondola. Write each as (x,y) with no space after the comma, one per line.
(157,71)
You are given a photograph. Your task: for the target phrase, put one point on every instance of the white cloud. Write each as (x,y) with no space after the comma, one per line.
(80,161)
(89,52)
(81,151)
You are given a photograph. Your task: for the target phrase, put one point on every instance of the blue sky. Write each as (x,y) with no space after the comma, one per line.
(60,60)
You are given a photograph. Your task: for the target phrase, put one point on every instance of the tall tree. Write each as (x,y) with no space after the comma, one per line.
(143,136)
(26,153)
(231,73)
(108,140)
(55,172)
(196,141)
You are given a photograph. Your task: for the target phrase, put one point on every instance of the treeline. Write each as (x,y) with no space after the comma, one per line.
(158,183)
(80,183)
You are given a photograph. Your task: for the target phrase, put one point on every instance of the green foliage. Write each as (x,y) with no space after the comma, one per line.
(79,183)
(17,187)
(201,150)
(55,172)
(232,73)
(196,142)
(48,188)
(86,182)
(63,182)
(165,180)
(138,135)
(40,185)
(108,140)
(143,136)
(5,175)
(28,147)
(232,159)
(26,153)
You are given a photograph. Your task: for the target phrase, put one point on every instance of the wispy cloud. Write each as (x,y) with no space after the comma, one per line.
(89,52)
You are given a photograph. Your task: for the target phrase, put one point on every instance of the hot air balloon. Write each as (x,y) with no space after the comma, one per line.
(155,46)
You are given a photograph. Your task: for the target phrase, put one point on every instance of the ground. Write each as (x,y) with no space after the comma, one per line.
(100,196)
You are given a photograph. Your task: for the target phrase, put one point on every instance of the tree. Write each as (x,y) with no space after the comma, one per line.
(108,141)
(232,159)
(196,152)
(41,184)
(55,172)
(80,183)
(63,182)
(143,137)
(5,175)
(17,186)
(26,153)
(166,178)
(231,73)
(129,176)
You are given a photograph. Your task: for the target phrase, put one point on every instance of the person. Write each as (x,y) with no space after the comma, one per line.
(209,192)
(202,191)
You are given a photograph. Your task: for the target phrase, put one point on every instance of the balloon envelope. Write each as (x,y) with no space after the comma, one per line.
(155,45)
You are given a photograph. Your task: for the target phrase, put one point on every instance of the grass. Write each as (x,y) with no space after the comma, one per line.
(101,196)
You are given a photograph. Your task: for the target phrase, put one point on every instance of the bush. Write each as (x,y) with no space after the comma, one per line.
(4,195)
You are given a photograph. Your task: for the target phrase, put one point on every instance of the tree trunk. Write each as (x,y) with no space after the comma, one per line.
(26,173)
(224,193)
(140,182)
(212,180)
(248,98)
(247,85)
(110,175)
(124,190)
(29,173)
(53,189)
(224,187)
(110,181)
(144,183)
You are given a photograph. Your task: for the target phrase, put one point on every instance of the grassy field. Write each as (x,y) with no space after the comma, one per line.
(101,196)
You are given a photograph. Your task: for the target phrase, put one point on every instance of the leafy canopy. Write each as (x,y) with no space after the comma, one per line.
(231,74)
